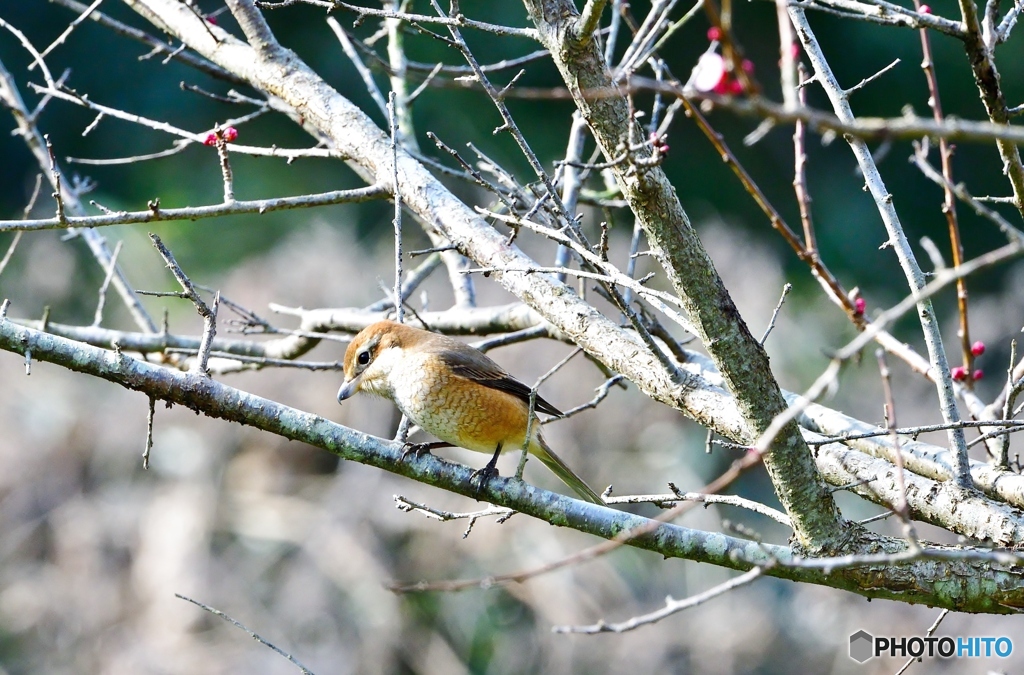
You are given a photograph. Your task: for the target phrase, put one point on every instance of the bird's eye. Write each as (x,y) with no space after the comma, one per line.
(363,358)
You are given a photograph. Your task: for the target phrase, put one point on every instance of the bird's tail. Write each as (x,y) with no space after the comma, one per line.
(562,470)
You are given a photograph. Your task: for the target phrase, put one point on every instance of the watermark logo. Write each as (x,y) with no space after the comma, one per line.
(864,646)
(861,646)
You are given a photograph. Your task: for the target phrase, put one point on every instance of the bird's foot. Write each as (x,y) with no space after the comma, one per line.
(481,476)
(486,473)
(417,450)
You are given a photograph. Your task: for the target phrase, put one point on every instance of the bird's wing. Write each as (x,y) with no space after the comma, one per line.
(477,367)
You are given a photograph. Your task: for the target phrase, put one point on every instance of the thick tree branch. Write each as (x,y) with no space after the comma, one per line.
(962,579)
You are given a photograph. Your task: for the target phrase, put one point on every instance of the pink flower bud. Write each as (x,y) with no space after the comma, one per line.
(658,143)
(230,134)
(978,374)
(959,373)
(978,348)
(925,9)
(714,34)
(211,139)
(859,305)
(748,65)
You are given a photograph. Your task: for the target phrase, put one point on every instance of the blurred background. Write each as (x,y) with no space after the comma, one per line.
(298,546)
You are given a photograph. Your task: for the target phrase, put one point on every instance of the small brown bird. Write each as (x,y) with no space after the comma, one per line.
(452,391)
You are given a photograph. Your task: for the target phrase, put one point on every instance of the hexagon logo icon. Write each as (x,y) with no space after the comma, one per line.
(861,646)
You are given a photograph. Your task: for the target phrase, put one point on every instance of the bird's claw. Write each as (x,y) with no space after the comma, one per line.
(484,474)
(481,476)
(417,450)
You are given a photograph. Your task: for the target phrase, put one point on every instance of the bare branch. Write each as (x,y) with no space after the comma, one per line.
(254,636)
(671,607)
(156,214)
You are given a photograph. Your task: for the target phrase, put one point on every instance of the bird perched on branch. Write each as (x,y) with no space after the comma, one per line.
(454,392)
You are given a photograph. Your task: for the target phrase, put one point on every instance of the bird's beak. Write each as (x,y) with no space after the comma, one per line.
(348,388)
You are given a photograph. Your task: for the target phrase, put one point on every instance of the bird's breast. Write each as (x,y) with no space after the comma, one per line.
(455,409)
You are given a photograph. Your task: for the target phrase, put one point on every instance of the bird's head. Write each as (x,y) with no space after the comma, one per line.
(370,357)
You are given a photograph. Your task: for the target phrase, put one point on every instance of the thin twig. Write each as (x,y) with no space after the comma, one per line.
(225,164)
(158,214)
(353,56)
(602,393)
(1004,443)
(451,22)
(671,607)
(771,324)
(98,316)
(67,31)
(253,635)
(25,214)
(902,507)
(949,202)
(931,631)
(149,433)
(209,315)
(397,197)
(868,80)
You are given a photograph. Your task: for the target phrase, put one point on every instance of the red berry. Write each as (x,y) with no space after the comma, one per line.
(211,139)
(925,9)
(714,34)
(230,134)
(958,373)
(978,374)
(748,66)
(978,348)
(859,305)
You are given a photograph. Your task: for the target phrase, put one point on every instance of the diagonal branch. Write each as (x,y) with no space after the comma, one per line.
(737,353)
(898,240)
